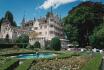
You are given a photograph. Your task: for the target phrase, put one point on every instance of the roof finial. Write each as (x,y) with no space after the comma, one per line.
(51,9)
(23,20)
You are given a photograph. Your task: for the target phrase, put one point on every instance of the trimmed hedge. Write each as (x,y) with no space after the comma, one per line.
(93,64)
(11,64)
(68,55)
(3,46)
(25,65)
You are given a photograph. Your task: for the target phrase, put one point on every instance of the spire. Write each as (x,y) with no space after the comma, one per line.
(23,20)
(51,9)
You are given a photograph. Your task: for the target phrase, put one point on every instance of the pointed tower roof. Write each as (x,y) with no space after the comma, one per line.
(23,21)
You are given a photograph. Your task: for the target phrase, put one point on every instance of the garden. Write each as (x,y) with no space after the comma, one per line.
(83,26)
(65,60)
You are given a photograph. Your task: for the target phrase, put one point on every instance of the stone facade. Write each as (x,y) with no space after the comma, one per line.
(42,30)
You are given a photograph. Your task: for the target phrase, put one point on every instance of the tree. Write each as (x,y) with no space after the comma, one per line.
(85,17)
(9,16)
(55,44)
(97,38)
(71,32)
(37,44)
(23,39)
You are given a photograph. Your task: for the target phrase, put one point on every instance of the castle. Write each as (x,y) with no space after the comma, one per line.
(42,30)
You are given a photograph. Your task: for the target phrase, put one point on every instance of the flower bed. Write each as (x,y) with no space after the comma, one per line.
(73,63)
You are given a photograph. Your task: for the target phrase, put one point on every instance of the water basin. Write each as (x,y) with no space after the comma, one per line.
(35,55)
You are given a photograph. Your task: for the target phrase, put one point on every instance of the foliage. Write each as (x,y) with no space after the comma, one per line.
(23,39)
(97,38)
(9,16)
(93,64)
(30,46)
(37,44)
(71,32)
(25,65)
(68,55)
(5,63)
(73,63)
(84,19)
(55,44)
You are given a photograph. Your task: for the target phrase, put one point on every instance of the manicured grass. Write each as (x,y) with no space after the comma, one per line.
(7,64)
(94,63)
(25,65)
(67,55)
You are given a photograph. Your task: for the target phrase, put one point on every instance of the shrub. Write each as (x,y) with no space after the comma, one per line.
(30,46)
(55,44)
(37,44)
(23,40)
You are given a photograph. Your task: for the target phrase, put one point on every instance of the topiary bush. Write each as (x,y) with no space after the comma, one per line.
(55,44)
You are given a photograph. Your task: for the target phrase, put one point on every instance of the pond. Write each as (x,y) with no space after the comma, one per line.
(35,55)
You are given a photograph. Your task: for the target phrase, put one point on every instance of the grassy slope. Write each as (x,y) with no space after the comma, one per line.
(93,64)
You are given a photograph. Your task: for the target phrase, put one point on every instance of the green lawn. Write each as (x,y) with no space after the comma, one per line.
(64,58)
(25,64)
(5,63)
(94,63)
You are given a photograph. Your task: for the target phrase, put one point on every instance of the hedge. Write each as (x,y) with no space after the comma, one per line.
(94,63)
(11,64)
(25,65)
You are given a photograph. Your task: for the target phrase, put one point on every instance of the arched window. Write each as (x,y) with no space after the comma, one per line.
(7,38)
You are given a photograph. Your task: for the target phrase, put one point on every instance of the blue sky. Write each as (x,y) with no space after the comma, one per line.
(35,8)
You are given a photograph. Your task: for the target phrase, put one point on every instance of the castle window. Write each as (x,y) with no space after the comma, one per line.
(51,25)
(52,19)
(40,32)
(51,32)
(36,28)
(45,32)
(45,26)
(40,27)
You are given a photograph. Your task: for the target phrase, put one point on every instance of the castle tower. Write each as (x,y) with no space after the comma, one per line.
(23,21)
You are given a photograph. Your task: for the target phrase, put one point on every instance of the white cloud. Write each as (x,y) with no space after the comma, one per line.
(54,3)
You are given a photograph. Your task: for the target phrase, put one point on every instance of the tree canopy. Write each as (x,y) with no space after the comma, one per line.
(55,44)
(84,19)
(8,16)
(97,38)
(23,39)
